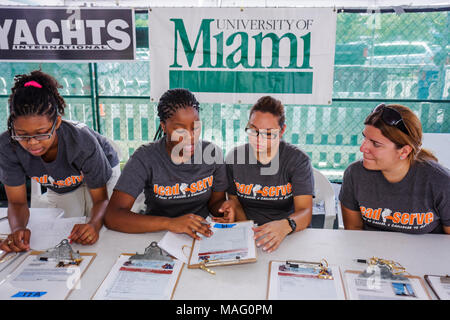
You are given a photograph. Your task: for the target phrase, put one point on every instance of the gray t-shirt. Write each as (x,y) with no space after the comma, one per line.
(420,203)
(268,197)
(83,156)
(170,189)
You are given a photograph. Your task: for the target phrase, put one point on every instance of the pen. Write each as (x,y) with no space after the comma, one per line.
(3,218)
(361,260)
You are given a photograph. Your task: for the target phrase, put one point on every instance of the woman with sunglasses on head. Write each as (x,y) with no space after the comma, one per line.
(397,186)
(184,179)
(271,181)
(76,164)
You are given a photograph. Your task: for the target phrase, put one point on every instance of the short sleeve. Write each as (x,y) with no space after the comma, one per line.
(302,177)
(135,175)
(95,167)
(442,200)
(12,172)
(347,192)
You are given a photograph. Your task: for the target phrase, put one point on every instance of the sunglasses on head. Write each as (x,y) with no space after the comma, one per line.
(391,117)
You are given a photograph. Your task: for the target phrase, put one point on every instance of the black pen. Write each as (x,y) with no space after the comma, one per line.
(361,260)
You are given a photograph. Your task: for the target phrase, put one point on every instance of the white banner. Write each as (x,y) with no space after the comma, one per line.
(237,55)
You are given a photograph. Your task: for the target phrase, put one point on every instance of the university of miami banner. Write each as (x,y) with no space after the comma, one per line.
(64,33)
(236,55)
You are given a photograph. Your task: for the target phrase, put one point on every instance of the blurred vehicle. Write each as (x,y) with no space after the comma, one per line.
(351,53)
(400,53)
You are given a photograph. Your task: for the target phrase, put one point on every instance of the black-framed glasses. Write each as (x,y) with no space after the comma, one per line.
(391,117)
(268,134)
(38,137)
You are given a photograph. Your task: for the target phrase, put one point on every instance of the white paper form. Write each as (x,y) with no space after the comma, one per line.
(229,242)
(140,280)
(302,283)
(48,233)
(177,245)
(47,227)
(441,288)
(375,288)
(34,279)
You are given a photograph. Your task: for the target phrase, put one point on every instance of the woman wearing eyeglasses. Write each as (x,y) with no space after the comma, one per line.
(77,165)
(397,186)
(271,181)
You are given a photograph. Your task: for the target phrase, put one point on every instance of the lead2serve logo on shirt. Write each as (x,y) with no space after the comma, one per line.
(398,220)
(48,181)
(257,191)
(183,190)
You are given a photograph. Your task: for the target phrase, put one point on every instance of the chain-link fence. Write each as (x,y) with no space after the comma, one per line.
(380,57)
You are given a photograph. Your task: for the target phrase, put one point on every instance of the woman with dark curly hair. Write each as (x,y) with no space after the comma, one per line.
(76,164)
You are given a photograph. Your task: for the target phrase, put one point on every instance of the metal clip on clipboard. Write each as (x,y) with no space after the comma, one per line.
(62,253)
(322,267)
(151,253)
(385,269)
(445,279)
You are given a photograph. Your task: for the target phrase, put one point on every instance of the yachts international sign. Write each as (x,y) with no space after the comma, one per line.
(75,34)
(234,55)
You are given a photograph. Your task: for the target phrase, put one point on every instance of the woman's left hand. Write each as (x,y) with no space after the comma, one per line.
(271,234)
(85,234)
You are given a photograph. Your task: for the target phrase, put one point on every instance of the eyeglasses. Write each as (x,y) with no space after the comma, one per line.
(391,117)
(268,134)
(38,137)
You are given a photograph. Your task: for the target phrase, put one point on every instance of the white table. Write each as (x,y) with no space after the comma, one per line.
(419,254)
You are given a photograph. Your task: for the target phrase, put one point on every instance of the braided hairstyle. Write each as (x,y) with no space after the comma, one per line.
(32,100)
(171,101)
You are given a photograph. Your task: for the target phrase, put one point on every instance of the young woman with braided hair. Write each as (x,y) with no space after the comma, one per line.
(76,164)
(181,189)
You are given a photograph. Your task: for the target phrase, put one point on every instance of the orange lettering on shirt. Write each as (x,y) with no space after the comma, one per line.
(376,214)
(199,185)
(289,188)
(397,216)
(265,191)
(272,191)
(412,216)
(210,181)
(405,219)
(420,218)
(429,217)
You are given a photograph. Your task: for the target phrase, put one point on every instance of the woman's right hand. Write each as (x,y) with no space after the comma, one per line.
(17,241)
(190,224)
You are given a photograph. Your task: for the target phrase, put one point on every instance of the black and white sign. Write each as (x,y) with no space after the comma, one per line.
(75,34)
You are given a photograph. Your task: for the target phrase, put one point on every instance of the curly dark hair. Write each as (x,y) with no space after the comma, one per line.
(171,101)
(31,100)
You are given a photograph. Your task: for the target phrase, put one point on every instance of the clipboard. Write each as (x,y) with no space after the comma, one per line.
(119,265)
(29,291)
(312,273)
(429,278)
(226,255)
(416,283)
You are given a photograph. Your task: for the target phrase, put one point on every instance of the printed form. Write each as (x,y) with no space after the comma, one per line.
(140,280)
